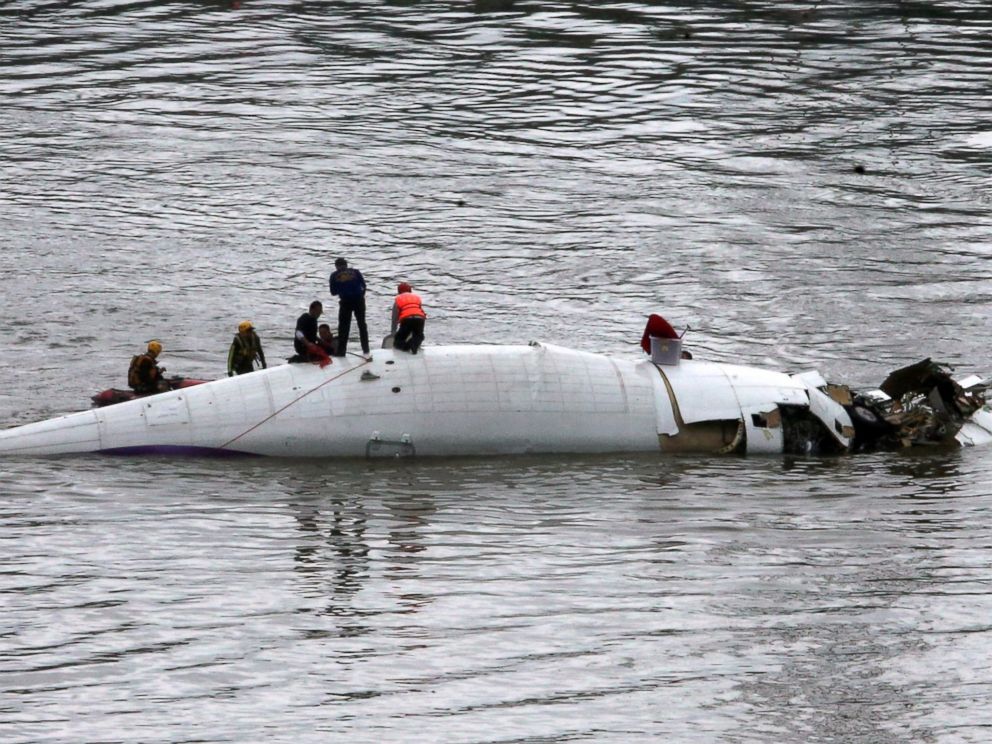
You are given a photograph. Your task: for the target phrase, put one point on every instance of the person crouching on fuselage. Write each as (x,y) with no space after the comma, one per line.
(305,337)
(408,319)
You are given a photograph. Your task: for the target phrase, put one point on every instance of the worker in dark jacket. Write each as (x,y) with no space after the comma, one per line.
(305,338)
(246,349)
(144,376)
(349,286)
(408,319)
(306,328)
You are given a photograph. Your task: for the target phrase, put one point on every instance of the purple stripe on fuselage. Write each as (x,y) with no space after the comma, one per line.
(175,450)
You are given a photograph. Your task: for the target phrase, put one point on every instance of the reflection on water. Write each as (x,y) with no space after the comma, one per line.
(334,556)
(407,538)
(333,562)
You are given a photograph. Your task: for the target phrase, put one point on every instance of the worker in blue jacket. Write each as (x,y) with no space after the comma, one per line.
(348,285)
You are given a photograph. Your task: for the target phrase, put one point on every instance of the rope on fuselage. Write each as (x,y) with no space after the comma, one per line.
(295,400)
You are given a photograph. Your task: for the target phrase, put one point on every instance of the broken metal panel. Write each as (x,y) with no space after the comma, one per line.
(666,410)
(702,392)
(920,405)
(974,381)
(706,391)
(833,415)
(826,404)
(763,429)
(755,387)
(977,430)
(840,393)
(914,378)
(811,379)
(874,396)
(719,437)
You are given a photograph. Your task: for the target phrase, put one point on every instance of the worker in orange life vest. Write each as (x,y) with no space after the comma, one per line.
(408,319)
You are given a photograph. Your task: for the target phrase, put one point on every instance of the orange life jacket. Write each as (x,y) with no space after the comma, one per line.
(409,305)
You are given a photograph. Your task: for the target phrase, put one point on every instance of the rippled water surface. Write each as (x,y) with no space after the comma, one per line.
(804,184)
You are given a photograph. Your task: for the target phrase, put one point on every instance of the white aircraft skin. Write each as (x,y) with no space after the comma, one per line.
(452,401)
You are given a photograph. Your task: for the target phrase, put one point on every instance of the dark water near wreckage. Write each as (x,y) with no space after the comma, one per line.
(539,170)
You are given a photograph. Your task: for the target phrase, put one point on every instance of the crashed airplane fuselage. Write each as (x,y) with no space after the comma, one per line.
(506,400)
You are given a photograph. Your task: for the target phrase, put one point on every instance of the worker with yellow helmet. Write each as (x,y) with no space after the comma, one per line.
(144,375)
(246,349)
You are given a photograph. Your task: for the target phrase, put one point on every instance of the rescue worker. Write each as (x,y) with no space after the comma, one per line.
(305,338)
(349,286)
(408,319)
(245,349)
(326,340)
(144,376)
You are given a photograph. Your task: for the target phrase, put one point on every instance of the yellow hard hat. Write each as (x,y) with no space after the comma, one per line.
(154,348)
(244,325)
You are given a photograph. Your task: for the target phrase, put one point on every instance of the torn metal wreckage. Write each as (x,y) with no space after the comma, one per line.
(918,405)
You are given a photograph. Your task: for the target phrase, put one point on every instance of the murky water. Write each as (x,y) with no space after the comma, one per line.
(554,171)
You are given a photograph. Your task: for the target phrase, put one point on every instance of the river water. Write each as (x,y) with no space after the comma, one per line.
(805,185)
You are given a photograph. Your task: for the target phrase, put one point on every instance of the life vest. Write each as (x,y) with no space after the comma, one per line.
(409,306)
(247,349)
(140,373)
